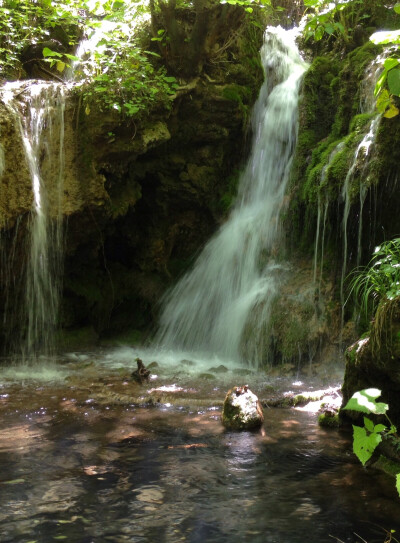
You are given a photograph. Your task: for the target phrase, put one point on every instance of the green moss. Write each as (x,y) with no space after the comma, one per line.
(359,123)
(349,87)
(387,465)
(329,421)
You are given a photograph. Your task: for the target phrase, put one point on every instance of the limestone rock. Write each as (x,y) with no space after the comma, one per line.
(242,409)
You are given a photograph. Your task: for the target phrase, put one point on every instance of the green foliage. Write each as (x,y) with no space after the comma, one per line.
(247,4)
(339,17)
(114,73)
(366,438)
(364,402)
(388,84)
(26,23)
(380,279)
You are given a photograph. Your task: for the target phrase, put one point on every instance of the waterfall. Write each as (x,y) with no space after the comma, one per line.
(235,275)
(39,110)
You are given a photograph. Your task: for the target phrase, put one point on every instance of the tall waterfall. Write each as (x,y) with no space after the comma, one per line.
(40,116)
(234,277)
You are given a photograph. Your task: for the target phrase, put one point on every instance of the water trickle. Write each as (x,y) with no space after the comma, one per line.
(39,110)
(235,275)
(362,156)
(323,205)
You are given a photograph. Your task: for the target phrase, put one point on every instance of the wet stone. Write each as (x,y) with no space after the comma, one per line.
(242,409)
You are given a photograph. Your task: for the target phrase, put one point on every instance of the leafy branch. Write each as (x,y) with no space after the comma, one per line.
(366,438)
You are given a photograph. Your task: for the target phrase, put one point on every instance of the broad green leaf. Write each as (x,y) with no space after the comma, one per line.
(364,402)
(391,63)
(397,7)
(49,53)
(379,428)
(393,79)
(71,57)
(363,444)
(398,483)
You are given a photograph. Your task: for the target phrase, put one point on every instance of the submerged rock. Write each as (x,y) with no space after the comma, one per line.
(141,375)
(242,409)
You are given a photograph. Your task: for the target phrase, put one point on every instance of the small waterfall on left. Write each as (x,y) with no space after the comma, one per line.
(38,108)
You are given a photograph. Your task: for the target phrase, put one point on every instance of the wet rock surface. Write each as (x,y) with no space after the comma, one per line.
(242,409)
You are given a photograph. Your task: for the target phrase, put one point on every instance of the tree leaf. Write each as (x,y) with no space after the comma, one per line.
(364,402)
(397,7)
(50,53)
(398,483)
(391,63)
(393,79)
(379,428)
(60,65)
(363,444)
(369,425)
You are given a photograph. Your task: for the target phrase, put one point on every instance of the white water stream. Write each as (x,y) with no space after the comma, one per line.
(39,109)
(235,275)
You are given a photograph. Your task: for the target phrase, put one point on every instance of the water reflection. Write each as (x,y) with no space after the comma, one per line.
(75,470)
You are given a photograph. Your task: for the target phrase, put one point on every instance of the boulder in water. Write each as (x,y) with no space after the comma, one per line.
(242,409)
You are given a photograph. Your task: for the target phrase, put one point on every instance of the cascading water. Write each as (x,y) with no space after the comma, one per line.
(235,274)
(41,122)
(363,155)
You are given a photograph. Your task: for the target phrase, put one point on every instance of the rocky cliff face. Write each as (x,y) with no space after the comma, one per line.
(139,198)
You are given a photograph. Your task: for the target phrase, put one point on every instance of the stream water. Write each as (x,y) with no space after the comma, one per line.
(94,457)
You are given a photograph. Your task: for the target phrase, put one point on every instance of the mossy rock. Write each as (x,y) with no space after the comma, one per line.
(242,410)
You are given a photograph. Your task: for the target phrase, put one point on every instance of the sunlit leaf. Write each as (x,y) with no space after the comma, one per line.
(382,103)
(398,483)
(391,63)
(60,65)
(391,112)
(364,402)
(397,7)
(379,428)
(50,53)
